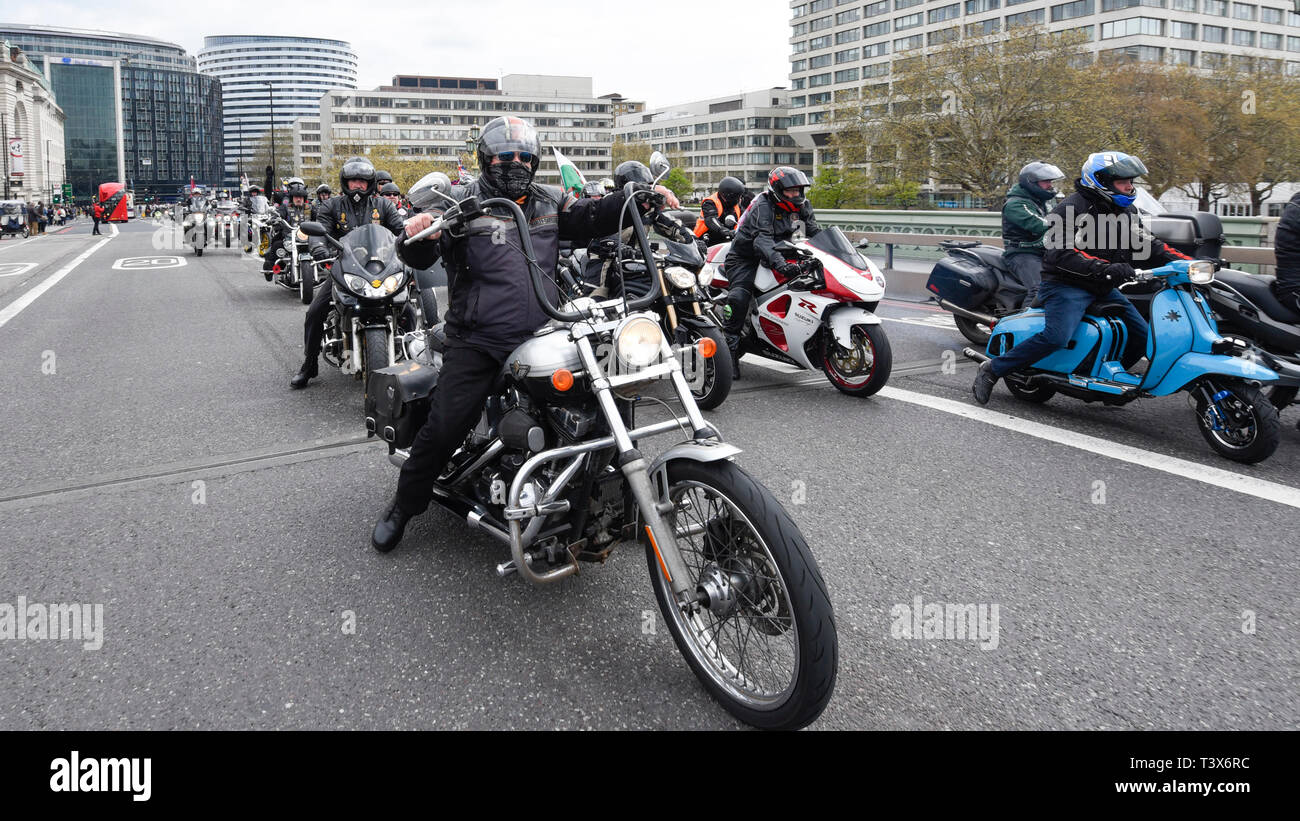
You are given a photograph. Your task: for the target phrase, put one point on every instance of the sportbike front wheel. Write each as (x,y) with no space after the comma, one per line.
(863,368)
(762,638)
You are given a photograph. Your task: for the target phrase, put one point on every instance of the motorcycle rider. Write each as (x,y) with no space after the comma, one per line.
(1078,271)
(1024,222)
(293,211)
(771,218)
(393,194)
(493,307)
(382,178)
(716,207)
(323,193)
(358,204)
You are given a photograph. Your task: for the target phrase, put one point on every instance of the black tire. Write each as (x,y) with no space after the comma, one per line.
(374,353)
(27,232)
(1253,428)
(868,339)
(429,307)
(972,330)
(715,384)
(1037,394)
(306,280)
(1282,397)
(228,238)
(792,606)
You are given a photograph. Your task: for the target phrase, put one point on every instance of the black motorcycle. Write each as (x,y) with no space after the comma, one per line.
(370,312)
(553,472)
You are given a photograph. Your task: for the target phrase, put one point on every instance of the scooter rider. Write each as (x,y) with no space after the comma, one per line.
(357,205)
(293,211)
(493,307)
(772,218)
(1084,263)
(716,207)
(1024,222)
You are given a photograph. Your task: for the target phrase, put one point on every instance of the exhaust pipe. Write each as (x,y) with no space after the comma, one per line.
(969,314)
(971,354)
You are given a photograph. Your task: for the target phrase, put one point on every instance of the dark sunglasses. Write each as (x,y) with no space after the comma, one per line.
(509,156)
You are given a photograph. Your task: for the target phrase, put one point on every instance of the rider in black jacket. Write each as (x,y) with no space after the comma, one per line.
(357,205)
(293,211)
(1287,245)
(493,307)
(771,218)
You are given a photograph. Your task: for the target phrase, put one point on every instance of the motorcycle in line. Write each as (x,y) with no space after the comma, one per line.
(368,315)
(294,267)
(686,314)
(824,318)
(553,472)
(1186,353)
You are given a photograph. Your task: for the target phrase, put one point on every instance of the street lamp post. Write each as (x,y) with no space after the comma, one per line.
(270,99)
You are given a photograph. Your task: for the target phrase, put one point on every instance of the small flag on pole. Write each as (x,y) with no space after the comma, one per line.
(571,179)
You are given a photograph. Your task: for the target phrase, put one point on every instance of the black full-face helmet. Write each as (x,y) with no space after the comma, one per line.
(730,190)
(516,138)
(357,168)
(323,192)
(788,187)
(631,171)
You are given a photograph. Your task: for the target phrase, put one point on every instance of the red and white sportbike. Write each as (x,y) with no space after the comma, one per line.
(823,318)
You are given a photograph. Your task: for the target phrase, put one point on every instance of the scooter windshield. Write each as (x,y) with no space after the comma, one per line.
(832,241)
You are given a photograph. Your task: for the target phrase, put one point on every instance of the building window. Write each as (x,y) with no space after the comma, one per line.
(849,16)
(800,11)
(1115,5)
(819,80)
(1270,41)
(908,43)
(943,13)
(819,5)
(1213,59)
(798,66)
(1242,37)
(1244,11)
(873,9)
(983,28)
(797,102)
(1292,43)
(1129,54)
(1026,18)
(906,4)
(1214,34)
(820,23)
(1068,11)
(1182,57)
(1182,31)
(847,56)
(977,6)
(798,29)
(850,36)
(819,42)
(848,75)
(875,70)
(938,38)
(908,21)
(799,47)
(1183,5)
(820,61)
(875,29)
(1132,26)
(1216,8)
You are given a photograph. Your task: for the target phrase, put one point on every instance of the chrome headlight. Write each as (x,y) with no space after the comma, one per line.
(638,343)
(1201,272)
(679,277)
(393,283)
(356,284)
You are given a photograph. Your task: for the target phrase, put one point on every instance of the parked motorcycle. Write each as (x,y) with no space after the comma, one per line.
(823,318)
(365,320)
(1186,351)
(553,471)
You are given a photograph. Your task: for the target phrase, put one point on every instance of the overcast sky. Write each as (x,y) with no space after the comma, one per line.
(666,52)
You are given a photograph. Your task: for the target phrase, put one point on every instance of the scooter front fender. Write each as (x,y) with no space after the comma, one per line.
(842,320)
(1192,366)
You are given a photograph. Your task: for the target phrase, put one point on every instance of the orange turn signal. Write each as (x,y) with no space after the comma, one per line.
(707,347)
(562,380)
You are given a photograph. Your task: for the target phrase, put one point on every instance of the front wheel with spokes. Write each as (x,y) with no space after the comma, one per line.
(761,637)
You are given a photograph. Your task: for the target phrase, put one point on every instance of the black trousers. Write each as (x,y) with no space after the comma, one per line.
(96,231)
(313,327)
(740,298)
(463,385)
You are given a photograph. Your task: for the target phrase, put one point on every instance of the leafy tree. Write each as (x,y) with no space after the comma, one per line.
(679,183)
(625,150)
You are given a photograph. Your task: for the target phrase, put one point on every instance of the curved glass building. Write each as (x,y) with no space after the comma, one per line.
(270,80)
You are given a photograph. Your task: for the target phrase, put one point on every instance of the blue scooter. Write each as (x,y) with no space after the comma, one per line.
(1185,352)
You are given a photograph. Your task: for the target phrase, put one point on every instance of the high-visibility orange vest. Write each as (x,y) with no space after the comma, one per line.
(701,227)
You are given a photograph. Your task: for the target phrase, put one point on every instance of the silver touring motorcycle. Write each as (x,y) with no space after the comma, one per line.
(553,472)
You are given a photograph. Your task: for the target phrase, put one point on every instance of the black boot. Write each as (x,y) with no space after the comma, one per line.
(306,372)
(984,382)
(388,531)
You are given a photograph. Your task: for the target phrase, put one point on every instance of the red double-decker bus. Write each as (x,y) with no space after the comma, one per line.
(112,198)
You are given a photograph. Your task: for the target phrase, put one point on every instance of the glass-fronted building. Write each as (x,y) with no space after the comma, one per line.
(269,80)
(137,110)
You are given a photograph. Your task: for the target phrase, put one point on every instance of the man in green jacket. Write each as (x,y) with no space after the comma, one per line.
(1024,222)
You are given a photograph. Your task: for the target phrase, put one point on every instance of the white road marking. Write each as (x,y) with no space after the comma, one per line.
(1249,485)
(13,269)
(945,321)
(15,307)
(771,364)
(148,263)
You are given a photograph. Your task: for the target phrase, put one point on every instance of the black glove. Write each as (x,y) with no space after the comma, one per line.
(1118,272)
(320,253)
(787,270)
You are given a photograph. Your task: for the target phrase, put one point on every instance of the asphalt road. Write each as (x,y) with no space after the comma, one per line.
(155,463)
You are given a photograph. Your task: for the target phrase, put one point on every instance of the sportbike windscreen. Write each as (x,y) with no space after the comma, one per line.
(832,241)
